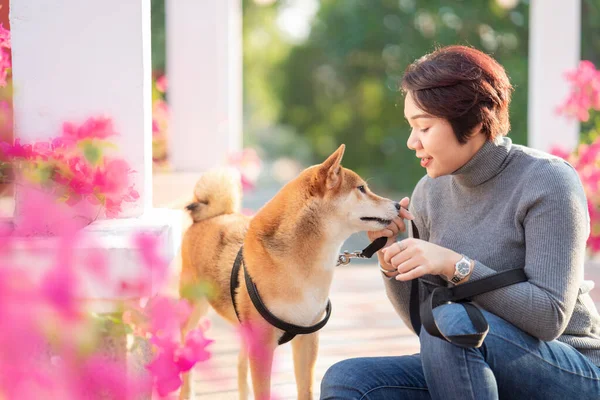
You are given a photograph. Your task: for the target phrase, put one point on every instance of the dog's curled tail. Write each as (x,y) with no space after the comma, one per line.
(217,192)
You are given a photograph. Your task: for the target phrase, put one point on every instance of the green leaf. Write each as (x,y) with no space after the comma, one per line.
(198,290)
(92,153)
(3,171)
(46,172)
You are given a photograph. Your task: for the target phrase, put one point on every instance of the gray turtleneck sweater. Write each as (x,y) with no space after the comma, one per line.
(514,207)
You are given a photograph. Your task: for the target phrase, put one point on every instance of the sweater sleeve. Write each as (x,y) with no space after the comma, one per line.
(555,220)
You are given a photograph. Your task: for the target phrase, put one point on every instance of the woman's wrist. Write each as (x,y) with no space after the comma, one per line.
(450,268)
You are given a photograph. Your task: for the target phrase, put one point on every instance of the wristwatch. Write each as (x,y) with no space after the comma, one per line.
(461,269)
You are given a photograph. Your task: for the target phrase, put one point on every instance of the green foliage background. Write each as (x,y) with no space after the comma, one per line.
(301,100)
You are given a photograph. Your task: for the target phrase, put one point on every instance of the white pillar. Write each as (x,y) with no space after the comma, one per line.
(554,48)
(204,70)
(75,59)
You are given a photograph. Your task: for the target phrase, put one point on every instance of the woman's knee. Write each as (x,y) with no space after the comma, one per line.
(451,319)
(339,380)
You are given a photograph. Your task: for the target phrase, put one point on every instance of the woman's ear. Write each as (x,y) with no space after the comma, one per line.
(476,130)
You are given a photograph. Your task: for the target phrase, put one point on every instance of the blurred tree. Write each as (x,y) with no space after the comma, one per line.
(590,50)
(590,31)
(157,26)
(341,85)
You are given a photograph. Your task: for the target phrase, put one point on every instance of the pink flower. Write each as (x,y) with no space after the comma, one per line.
(166,316)
(585,92)
(17,150)
(132,195)
(249,164)
(4,37)
(112,177)
(5,60)
(560,152)
(194,350)
(92,128)
(166,373)
(161,83)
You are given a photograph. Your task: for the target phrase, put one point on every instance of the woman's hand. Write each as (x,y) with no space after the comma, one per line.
(397,226)
(413,258)
(391,232)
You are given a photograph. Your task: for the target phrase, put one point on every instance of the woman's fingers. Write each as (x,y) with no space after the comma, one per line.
(397,225)
(391,252)
(404,213)
(405,263)
(412,274)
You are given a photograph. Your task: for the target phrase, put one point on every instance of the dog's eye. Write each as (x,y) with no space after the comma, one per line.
(362,188)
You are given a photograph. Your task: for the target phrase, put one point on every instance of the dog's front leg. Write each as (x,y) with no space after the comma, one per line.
(260,357)
(304,349)
(243,373)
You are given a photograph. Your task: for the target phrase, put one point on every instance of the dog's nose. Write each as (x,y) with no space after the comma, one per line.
(191,206)
(398,207)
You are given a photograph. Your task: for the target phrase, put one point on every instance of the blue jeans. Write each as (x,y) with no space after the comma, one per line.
(510,364)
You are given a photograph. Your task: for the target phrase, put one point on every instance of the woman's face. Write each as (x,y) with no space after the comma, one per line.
(434,142)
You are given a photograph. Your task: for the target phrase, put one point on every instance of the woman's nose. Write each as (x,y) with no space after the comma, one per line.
(413,141)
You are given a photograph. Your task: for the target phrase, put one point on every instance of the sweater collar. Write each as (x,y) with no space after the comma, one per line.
(485,164)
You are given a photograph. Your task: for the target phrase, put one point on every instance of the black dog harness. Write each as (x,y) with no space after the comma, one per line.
(290,330)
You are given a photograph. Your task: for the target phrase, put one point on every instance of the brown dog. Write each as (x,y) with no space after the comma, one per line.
(290,249)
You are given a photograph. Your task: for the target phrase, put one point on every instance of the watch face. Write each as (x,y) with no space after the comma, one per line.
(463,267)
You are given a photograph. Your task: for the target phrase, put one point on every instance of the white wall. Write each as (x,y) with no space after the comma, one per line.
(73,59)
(204,71)
(554,48)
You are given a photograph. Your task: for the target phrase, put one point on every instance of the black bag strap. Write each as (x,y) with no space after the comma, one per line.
(415,318)
(444,295)
(422,314)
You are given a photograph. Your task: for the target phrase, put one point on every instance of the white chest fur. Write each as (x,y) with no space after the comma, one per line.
(306,312)
(310,308)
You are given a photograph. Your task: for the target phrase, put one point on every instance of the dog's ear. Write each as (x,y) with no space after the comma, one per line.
(332,168)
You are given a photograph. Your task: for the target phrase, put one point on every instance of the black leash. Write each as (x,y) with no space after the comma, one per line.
(422,314)
(367,252)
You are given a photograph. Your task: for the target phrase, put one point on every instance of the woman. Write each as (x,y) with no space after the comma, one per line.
(486,205)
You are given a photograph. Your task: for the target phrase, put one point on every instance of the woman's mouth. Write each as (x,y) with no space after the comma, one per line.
(425,161)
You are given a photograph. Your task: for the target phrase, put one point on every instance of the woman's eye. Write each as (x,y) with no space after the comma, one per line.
(362,188)
(424,130)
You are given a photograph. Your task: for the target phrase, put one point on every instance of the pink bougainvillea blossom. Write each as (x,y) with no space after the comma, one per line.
(249,164)
(5,60)
(585,92)
(582,103)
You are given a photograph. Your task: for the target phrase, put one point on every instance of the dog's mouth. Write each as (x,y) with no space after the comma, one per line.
(384,222)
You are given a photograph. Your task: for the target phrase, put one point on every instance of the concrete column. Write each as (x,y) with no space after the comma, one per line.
(204,70)
(75,59)
(554,48)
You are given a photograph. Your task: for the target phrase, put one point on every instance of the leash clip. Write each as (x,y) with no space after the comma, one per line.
(346,256)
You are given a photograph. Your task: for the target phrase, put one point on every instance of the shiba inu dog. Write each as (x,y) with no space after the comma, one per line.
(290,249)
